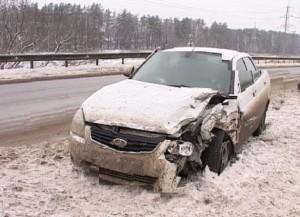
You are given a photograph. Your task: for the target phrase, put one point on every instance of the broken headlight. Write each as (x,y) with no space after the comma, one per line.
(181,148)
(78,127)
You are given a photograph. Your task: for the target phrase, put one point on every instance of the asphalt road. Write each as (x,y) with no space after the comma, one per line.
(291,72)
(41,111)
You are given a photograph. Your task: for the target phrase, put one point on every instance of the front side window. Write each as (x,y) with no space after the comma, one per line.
(245,76)
(187,69)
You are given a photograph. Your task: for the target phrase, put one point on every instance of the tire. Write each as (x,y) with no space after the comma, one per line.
(262,126)
(218,153)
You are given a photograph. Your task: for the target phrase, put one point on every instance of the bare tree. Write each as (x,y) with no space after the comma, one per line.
(25,27)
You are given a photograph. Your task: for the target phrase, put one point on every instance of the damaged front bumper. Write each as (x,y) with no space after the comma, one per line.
(127,167)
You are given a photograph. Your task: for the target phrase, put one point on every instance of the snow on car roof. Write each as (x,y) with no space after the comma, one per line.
(226,54)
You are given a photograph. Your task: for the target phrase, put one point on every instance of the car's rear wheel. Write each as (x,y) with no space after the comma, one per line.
(218,154)
(262,125)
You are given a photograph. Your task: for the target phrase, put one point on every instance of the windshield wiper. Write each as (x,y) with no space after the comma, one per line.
(226,95)
(178,85)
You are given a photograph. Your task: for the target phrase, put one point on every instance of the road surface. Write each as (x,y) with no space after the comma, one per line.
(43,110)
(291,72)
(39,111)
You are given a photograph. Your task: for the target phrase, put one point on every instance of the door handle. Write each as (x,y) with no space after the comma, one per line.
(254,93)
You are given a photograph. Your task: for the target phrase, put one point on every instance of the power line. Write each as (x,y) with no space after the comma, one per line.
(194,6)
(188,8)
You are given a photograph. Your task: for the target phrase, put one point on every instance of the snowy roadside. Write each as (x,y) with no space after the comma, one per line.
(39,180)
(56,70)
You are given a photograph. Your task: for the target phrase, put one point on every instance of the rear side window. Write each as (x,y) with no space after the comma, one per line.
(245,76)
(256,75)
(249,64)
(251,67)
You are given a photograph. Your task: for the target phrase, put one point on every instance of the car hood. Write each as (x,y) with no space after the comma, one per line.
(146,106)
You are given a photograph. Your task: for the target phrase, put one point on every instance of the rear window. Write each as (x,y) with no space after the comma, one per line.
(188,69)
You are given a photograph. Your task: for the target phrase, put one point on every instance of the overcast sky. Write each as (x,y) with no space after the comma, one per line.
(264,14)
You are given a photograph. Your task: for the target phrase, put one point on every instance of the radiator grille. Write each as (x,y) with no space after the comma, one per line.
(137,141)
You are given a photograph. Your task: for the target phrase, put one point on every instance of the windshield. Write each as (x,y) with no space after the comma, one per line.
(187,69)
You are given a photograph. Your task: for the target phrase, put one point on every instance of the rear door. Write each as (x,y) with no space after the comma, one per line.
(256,74)
(260,93)
(246,101)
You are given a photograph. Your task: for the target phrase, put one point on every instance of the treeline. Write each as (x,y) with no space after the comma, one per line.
(25,27)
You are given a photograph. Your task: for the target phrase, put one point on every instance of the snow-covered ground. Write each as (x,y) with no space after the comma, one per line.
(56,69)
(39,180)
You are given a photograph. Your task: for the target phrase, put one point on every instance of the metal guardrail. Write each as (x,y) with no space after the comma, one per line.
(276,58)
(69,57)
(98,56)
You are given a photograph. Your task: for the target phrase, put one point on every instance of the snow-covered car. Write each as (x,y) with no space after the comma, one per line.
(181,110)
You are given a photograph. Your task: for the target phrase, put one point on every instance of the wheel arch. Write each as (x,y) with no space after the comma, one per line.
(227,136)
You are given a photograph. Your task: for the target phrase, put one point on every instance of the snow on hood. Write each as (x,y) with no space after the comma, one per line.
(146,106)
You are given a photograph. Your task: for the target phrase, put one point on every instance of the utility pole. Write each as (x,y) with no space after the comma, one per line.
(254,45)
(286,27)
(86,31)
(287,18)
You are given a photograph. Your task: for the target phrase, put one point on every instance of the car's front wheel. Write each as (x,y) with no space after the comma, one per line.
(218,153)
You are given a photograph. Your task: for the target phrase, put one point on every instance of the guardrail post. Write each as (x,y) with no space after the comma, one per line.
(97,62)
(66,63)
(31,65)
(123,60)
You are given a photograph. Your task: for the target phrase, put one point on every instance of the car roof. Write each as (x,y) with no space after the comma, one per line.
(226,54)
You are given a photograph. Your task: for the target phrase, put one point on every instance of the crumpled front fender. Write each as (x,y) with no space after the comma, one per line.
(222,117)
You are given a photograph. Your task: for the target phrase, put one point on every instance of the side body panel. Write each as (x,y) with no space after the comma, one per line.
(247,105)
(262,88)
(252,103)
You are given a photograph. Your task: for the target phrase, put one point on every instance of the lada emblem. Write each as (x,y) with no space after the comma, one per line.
(121,143)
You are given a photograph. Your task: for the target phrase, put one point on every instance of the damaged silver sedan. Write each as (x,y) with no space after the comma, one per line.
(181,110)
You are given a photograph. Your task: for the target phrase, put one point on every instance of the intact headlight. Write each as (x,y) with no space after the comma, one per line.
(78,124)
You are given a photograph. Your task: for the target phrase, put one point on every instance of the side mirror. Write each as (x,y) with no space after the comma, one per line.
(129,72)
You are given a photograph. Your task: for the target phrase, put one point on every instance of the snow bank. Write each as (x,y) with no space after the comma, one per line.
(56,70)
(39,180)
